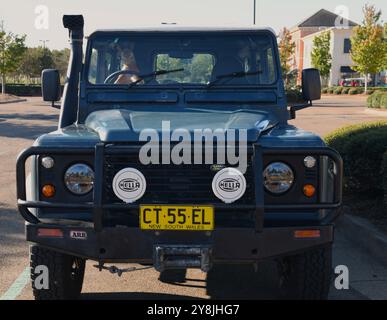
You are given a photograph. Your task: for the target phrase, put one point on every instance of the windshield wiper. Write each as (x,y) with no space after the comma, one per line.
(232,75)
(153,75)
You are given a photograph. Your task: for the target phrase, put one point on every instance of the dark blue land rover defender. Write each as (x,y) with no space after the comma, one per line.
(142,168)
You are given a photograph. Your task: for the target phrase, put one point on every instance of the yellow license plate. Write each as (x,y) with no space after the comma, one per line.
(166,217)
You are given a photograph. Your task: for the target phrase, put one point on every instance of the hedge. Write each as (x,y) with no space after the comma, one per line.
(377,100)
(330,90)
(383,101)
(24,90)
(352,90)
(356,91)
(345,90)
(338,90)
(362,147)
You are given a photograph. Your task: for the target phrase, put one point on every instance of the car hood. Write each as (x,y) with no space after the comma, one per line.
(126,125)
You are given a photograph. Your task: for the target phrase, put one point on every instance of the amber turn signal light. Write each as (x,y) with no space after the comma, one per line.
(48,190)
(309,190)
(300,234)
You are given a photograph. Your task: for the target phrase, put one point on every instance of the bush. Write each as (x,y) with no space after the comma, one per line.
(330,90)
(383,101)
(345,90)
(294,95)
(362,147)
(377,99)
(371,91)
(353,91)
(377,88)
(338,90)
(370,99)
(324,90)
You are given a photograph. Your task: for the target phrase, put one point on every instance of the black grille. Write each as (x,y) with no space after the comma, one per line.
(172,184)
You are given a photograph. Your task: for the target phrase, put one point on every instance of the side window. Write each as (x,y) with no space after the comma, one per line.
(270,65)
(347,45)
(93,66)
(101,65)
(265,64)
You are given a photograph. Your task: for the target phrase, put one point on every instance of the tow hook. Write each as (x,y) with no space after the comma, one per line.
(115,270)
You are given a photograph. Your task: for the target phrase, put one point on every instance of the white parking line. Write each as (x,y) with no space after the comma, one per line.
(17,287)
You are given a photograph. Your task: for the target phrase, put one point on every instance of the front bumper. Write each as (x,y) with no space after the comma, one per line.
(123,244)
(130,244)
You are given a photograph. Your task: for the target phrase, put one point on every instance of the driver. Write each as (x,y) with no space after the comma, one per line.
(128,62)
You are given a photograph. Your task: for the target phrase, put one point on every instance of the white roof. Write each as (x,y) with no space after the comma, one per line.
(176,28)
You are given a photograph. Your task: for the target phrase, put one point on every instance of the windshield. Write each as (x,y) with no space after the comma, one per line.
(193,59)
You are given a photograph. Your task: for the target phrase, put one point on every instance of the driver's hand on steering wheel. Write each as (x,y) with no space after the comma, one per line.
(127,79)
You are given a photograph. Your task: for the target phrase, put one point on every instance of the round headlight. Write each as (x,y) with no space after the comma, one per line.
(278,177)
(79,179)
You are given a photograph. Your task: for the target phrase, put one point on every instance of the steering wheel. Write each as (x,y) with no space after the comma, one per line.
(115,74)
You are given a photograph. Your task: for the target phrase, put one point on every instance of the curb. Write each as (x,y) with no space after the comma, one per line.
(364,234)
(13,101)
(378,112)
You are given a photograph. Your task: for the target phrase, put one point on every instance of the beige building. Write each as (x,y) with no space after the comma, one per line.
(341,31)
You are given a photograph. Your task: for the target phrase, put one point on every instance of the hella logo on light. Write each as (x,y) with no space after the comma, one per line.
(129,185)
(229,185)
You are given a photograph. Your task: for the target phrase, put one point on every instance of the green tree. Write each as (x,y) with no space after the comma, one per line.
(286,51)
(321,54)
(201,68)
(12,49)
(34,61)
(61,60)
(369,48)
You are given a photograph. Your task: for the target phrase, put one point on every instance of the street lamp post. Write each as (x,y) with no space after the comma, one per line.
(44,43)
(255,6)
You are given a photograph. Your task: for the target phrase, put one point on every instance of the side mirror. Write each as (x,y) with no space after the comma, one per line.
(311,84)
(51,85)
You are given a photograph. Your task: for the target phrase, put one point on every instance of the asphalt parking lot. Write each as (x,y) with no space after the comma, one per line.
(21,123)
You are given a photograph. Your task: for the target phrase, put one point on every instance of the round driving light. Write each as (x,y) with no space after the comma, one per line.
(229,184)
(48,190)
(278,177)
(79,179)
(129,185)
(310,162)
(48,162)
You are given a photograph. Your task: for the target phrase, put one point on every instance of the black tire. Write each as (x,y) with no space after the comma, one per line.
(306,276)
(65,274)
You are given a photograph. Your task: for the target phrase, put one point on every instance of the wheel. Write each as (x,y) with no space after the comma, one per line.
(306,276)
(65,274)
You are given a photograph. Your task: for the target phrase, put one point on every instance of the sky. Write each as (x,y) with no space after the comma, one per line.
(42,19)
